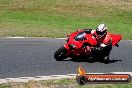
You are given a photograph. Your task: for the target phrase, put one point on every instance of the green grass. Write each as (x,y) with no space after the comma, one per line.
(107,86)
(56,18)
(59,82)
(4,86)
(62,83)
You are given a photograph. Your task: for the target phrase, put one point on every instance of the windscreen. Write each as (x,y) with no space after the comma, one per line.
(80,36)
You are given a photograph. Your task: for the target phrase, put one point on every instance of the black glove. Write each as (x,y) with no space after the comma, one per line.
(88,31)
(96,48)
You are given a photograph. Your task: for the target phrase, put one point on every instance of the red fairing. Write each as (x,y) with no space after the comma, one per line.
(89,38)
(115,38)
(77,40)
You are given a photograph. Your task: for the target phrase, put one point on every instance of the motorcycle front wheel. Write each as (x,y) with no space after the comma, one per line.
(60,54)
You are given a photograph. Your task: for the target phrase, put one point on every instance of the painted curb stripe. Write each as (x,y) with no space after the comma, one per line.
(38,78)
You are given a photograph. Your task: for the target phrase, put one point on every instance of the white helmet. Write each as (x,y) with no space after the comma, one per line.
(101,30)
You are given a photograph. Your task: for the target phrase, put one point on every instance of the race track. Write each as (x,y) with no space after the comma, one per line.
(34,57)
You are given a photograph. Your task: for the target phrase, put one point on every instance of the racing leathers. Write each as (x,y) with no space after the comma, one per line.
(104,45)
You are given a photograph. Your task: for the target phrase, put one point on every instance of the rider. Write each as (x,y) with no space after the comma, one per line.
(104,41)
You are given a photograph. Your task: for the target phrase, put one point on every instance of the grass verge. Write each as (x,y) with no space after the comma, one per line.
(56,18)
(61,83)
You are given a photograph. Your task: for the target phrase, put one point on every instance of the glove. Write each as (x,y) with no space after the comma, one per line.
(96,48)
(87,31)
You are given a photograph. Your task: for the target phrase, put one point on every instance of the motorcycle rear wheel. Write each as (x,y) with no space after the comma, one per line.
(60,54)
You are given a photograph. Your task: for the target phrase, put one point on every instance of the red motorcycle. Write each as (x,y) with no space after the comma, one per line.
(79,44)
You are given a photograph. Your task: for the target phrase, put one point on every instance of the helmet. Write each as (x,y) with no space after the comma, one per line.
(101,30)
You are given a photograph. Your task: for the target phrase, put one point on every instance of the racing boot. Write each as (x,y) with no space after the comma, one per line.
(106,59)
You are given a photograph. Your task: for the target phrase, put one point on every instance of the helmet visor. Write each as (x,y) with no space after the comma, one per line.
(100,33)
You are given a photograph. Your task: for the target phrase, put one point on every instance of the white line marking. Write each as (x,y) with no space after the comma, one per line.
(16,37)
(38,37)
(32,37)
(130,40)
(61,38)
(38,78)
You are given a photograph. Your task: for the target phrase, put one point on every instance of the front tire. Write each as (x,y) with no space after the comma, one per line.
(60,54)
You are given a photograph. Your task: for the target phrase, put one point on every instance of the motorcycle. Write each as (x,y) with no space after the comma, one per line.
(79,44)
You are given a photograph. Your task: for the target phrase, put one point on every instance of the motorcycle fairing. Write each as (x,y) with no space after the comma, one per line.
(80,46)
(115,38)
(89,38)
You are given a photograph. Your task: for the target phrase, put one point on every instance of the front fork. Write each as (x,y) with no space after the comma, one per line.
(85,51)
(68,52)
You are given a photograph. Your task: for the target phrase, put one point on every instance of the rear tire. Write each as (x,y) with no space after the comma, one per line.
(60,54)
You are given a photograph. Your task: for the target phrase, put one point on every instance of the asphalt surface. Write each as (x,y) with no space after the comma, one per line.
(34,57)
